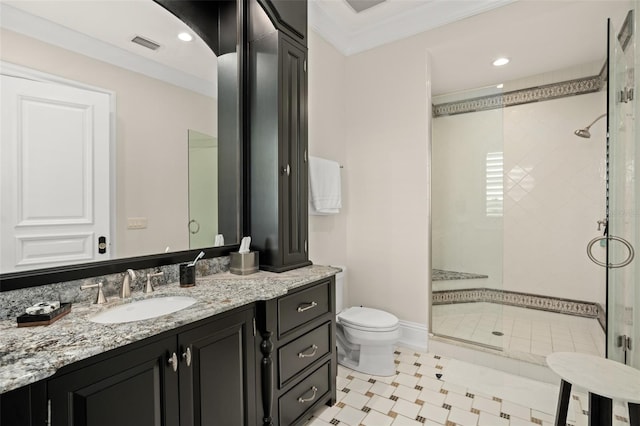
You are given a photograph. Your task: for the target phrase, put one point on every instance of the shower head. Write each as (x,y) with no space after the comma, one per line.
(584,133)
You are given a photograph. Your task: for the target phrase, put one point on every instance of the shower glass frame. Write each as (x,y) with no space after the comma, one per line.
(622,194)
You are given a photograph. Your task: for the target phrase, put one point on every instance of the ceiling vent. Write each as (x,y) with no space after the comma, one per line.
(361,5)
(145,42)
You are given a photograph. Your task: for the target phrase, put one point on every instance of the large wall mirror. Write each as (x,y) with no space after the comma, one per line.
(107,107)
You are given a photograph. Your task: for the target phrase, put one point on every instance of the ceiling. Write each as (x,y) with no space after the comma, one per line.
(353,32)
(464,37)
(461,36)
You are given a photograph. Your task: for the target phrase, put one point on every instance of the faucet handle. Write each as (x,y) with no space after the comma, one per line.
(100,299)
(149,288)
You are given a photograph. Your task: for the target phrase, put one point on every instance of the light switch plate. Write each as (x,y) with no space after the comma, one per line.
(136,223)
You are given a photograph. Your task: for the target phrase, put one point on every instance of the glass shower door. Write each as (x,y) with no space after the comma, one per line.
(623,211)
(467,160)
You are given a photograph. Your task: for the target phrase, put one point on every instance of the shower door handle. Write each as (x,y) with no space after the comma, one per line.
(627,244)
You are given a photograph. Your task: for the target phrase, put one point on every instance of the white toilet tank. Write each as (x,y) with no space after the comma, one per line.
(340,288)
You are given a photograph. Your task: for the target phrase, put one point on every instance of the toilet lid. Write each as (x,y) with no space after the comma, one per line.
(368,318)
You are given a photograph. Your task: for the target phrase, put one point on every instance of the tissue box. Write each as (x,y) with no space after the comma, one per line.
(244,263)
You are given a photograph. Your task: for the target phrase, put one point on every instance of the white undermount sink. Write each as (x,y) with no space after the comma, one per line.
(143,309)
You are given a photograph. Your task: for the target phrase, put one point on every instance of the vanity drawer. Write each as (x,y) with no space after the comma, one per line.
(303,306)
(304,351)
(293,404)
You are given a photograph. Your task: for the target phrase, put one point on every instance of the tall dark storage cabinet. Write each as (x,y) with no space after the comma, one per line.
(278,134)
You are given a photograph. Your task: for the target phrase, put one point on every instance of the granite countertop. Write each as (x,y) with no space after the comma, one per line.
(442,275)
(29,354)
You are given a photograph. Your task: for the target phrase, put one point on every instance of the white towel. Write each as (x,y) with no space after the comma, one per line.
(325,196)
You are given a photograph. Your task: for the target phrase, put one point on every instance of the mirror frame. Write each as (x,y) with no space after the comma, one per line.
(194,13)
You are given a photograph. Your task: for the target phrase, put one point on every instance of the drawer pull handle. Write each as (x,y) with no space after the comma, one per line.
(313,349)
(302,400)
(306,308)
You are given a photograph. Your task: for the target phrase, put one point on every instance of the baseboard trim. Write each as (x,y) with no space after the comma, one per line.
(414,335)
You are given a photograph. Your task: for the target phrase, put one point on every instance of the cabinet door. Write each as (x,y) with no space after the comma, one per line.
(293,152)
(215,373)
(136,388)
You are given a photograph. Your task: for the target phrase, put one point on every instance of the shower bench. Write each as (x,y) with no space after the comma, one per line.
(604,379)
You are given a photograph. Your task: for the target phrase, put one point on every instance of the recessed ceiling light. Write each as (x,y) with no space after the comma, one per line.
(185,36)
(500,62)
(500,86)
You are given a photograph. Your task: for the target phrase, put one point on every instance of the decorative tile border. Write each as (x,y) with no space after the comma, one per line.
(579,86)
(523,300)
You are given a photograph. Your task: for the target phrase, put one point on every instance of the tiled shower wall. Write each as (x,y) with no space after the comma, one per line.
(553,194)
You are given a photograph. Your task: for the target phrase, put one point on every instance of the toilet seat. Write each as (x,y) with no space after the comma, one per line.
(368,319)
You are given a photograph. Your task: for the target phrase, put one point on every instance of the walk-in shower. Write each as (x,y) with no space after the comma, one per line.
(510,220)
(515,203)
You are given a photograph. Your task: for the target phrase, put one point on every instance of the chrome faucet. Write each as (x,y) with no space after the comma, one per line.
(126,283)
(149,287)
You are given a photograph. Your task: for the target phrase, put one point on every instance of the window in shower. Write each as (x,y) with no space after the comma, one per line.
(494,184)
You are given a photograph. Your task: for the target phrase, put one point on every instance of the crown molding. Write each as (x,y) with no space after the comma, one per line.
(352,33)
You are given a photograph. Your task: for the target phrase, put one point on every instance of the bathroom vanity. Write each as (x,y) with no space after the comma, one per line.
(252,350)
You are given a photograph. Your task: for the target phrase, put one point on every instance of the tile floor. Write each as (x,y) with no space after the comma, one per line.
(432,390)
(525,330)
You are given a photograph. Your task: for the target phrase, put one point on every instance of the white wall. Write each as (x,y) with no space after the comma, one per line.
(327,139)
(369,112)
(152,121)
(387,141)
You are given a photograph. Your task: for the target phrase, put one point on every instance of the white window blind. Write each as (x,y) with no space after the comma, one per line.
(495,185)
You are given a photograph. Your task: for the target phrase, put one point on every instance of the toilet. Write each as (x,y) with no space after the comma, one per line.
(366,337)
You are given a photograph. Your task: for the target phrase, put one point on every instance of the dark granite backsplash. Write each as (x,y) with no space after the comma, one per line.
(13,303)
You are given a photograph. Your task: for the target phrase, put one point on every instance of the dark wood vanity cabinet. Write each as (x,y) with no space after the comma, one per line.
(217,388)
(278,154)
(296,354)
(201,375)
(137,387)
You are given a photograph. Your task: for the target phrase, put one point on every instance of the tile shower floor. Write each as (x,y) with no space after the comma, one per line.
(524,330)
(432,390)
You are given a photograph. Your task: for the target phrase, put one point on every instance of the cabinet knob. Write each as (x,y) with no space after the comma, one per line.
(286,170)
(173,362)
(186,357)
(302,400)
(313,349)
